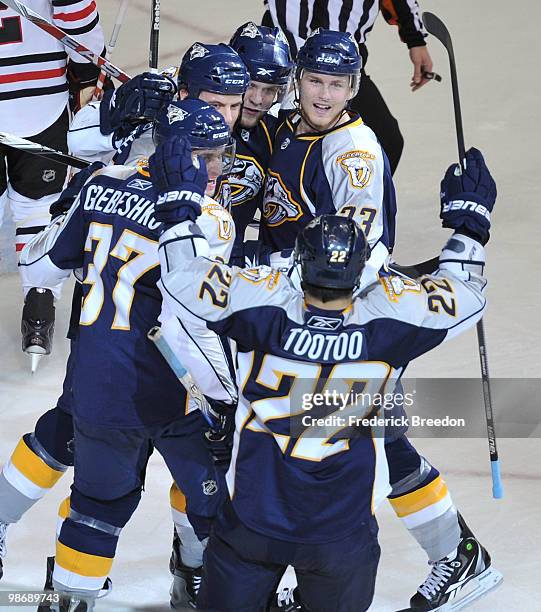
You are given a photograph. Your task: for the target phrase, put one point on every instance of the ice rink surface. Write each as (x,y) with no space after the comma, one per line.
(497,49)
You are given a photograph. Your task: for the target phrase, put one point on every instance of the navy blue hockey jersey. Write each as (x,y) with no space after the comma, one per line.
(293,476)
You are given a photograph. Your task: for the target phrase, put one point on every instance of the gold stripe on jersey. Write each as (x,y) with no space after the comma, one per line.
(33,467)
(269,139)
(177,499)
(418,500)
(81,563)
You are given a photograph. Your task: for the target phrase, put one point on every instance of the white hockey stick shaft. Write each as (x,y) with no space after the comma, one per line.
(185,378)
(39,21)
(123,7)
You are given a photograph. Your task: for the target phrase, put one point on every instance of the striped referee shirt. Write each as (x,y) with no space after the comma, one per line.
(298,18)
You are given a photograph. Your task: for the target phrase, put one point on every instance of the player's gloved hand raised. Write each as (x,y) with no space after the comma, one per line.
(137,101)
(220,436)
(179,181)
(70,193)
(468,198)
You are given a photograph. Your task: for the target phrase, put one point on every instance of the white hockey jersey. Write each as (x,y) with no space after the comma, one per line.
(33,64)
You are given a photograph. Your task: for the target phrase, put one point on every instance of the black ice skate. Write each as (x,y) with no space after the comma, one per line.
(286,600)
(3,549)
(48,586)
(186,580)
(37,325)
(457,580)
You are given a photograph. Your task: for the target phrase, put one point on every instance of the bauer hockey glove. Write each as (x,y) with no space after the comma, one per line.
(179,182)
(70,193)
(468,197)
(137,101)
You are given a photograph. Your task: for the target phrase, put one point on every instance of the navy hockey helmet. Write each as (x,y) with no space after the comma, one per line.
(332,251)
(331,52)
(215,68)
(200,123)
(265,51)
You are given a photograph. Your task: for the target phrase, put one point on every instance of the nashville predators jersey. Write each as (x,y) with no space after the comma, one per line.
(253,151)
(120,379)
(343,170)
(304,469)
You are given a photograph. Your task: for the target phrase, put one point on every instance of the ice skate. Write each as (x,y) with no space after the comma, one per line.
(186,580)
(37,325)
(458,579)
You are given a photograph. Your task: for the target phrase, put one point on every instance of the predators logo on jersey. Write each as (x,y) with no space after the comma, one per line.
(279,205)
(359,166)
(245,180)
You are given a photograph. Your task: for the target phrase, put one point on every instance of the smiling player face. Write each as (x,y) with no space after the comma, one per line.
(258,99)
(323,97)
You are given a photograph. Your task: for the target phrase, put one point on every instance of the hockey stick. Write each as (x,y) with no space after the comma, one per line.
(123,7)
(37,149)
(437,28)
(185,378)
(67,40)
(153,55)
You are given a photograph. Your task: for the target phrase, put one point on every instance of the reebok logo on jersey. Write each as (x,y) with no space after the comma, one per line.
(140,184)
(325,347)
(466,205)
(324,322)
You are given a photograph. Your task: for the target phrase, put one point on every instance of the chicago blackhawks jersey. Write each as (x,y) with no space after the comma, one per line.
(120,378)
(33,64)
(304,469)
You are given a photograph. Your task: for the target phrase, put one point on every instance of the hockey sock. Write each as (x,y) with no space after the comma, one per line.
(422,501)
(27,476)
(191,548)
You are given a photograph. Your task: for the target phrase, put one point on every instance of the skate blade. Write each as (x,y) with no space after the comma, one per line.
(482,584)
(485,582)
(36,358)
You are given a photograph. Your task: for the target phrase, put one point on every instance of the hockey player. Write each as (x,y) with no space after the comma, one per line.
(265,51)
(125,312)
(37,74)
(117,126)
(286,467)
(325,159)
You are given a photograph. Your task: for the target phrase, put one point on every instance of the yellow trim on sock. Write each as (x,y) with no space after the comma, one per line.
(81,563)
(177,498)
(33,467)
(428,495)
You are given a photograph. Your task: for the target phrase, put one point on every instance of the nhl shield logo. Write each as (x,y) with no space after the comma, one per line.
(198,50)
(210,487)
(48,175)
(174,114)
(285,144)
(250,30)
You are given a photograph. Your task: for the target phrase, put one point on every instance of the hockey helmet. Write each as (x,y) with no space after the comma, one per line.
(201,124)
(265,51)
(215,68)
(332,251)
(331,52)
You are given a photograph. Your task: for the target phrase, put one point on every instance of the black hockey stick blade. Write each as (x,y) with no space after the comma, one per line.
(424,267)
(438,29)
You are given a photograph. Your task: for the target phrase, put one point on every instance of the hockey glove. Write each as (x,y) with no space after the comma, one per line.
(137,101)
(220,436)
(82,79)
(70,193)
(467,198)
(180,184)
